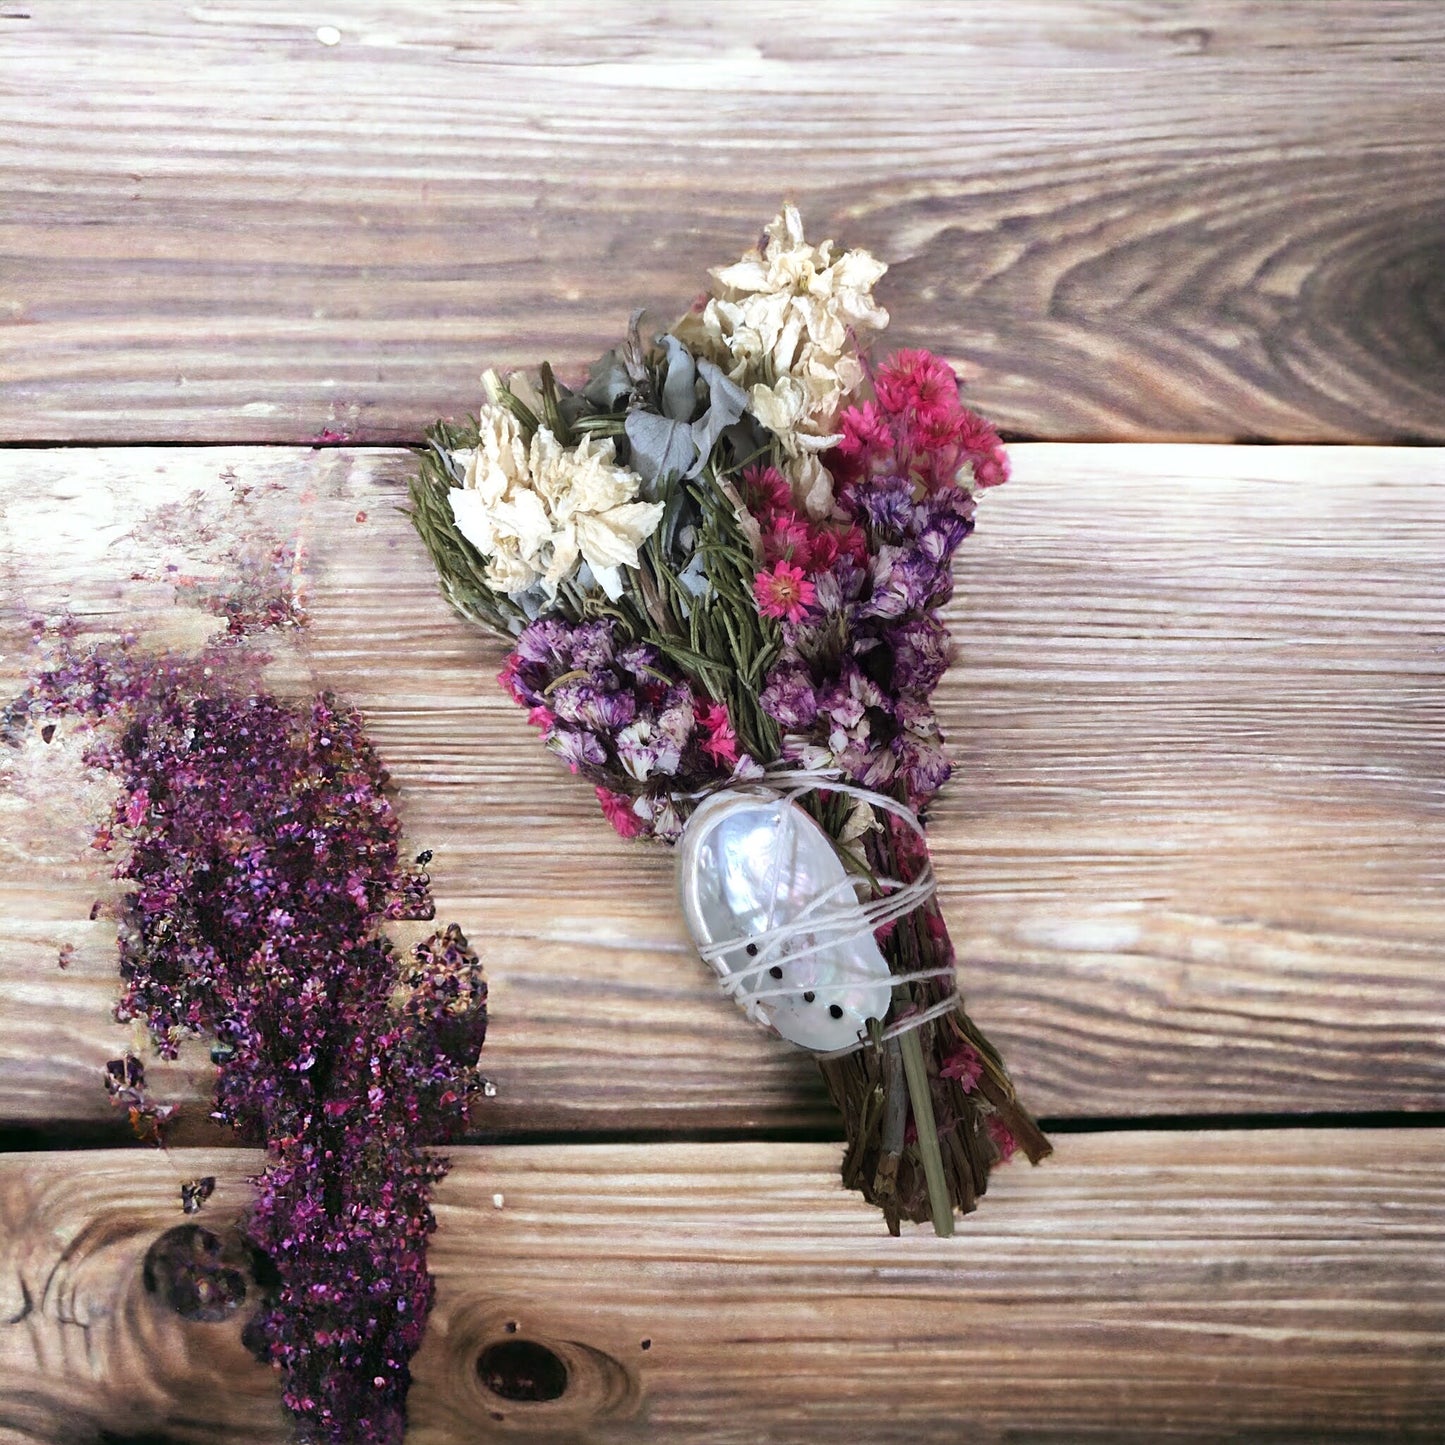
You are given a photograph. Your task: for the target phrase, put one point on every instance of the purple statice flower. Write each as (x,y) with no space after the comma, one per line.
(921,651)
(905,581)
(262,859)
(578,748)
(845,702)
(790,698)
(843,583)
(646,751)
(944,520)
(617,713)
(923,765)
(596,702)
(885,504)
(851,689)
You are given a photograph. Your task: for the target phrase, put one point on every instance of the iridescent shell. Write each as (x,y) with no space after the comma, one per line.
(750,861)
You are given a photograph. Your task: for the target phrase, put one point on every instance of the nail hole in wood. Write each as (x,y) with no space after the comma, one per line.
(647,1344)
(522,1370)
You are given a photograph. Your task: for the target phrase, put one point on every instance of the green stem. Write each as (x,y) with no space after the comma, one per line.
(923,1120)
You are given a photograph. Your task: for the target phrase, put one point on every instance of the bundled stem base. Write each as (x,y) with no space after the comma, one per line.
(969,1105)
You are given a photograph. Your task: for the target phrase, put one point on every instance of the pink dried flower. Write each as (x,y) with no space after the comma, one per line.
(918,383)
(980,441)
(788,540)
(1003,1139)
(719,741)
(766,489)
(617,808)
(784,593)
(965,1066)
(508,678)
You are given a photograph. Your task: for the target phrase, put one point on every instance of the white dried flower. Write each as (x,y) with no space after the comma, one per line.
(537,512)
(783,324)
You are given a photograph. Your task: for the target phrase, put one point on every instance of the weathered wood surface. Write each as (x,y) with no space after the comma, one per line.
(1207,220)
(1191,855)
(1287,1286)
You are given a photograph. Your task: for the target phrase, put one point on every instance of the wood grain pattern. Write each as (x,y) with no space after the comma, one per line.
(1191,856)
(1275,1285)
(1203,220)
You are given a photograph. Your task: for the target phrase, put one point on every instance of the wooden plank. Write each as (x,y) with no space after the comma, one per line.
(1208,220)
(1286,1286)
(1191,854)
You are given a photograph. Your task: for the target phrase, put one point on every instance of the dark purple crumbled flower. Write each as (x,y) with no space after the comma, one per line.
(263,858)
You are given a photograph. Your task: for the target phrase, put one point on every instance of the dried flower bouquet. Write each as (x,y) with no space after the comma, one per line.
(720,565)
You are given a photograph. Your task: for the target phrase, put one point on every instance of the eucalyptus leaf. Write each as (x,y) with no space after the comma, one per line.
(607,380)
(660,449)
(726,404)
(679,391)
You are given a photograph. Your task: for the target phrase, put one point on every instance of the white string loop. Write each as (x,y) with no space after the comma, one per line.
(895,900)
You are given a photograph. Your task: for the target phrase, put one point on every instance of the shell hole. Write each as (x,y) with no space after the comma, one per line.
(836,1010)
(809,996)
(775,972)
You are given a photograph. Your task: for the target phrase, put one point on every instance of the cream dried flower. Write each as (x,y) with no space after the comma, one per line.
(536,512)
(783,325)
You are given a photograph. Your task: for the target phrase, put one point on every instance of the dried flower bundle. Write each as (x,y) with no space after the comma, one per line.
(260,853)
(722,557)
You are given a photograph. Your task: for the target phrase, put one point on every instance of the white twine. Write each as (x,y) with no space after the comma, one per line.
(896,900)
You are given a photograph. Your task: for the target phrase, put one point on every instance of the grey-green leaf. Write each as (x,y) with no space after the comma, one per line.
(679,391)
(660,448)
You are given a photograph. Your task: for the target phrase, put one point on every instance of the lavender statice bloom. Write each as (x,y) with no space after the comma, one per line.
(844,702)
(546,642)
(921,651)
(639,661)
(790,698)
(924,766)
(652,748)
(614,711)
(885,503)
(945,520)
(904,581)
(595,703)
(577,747)
(591,645)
